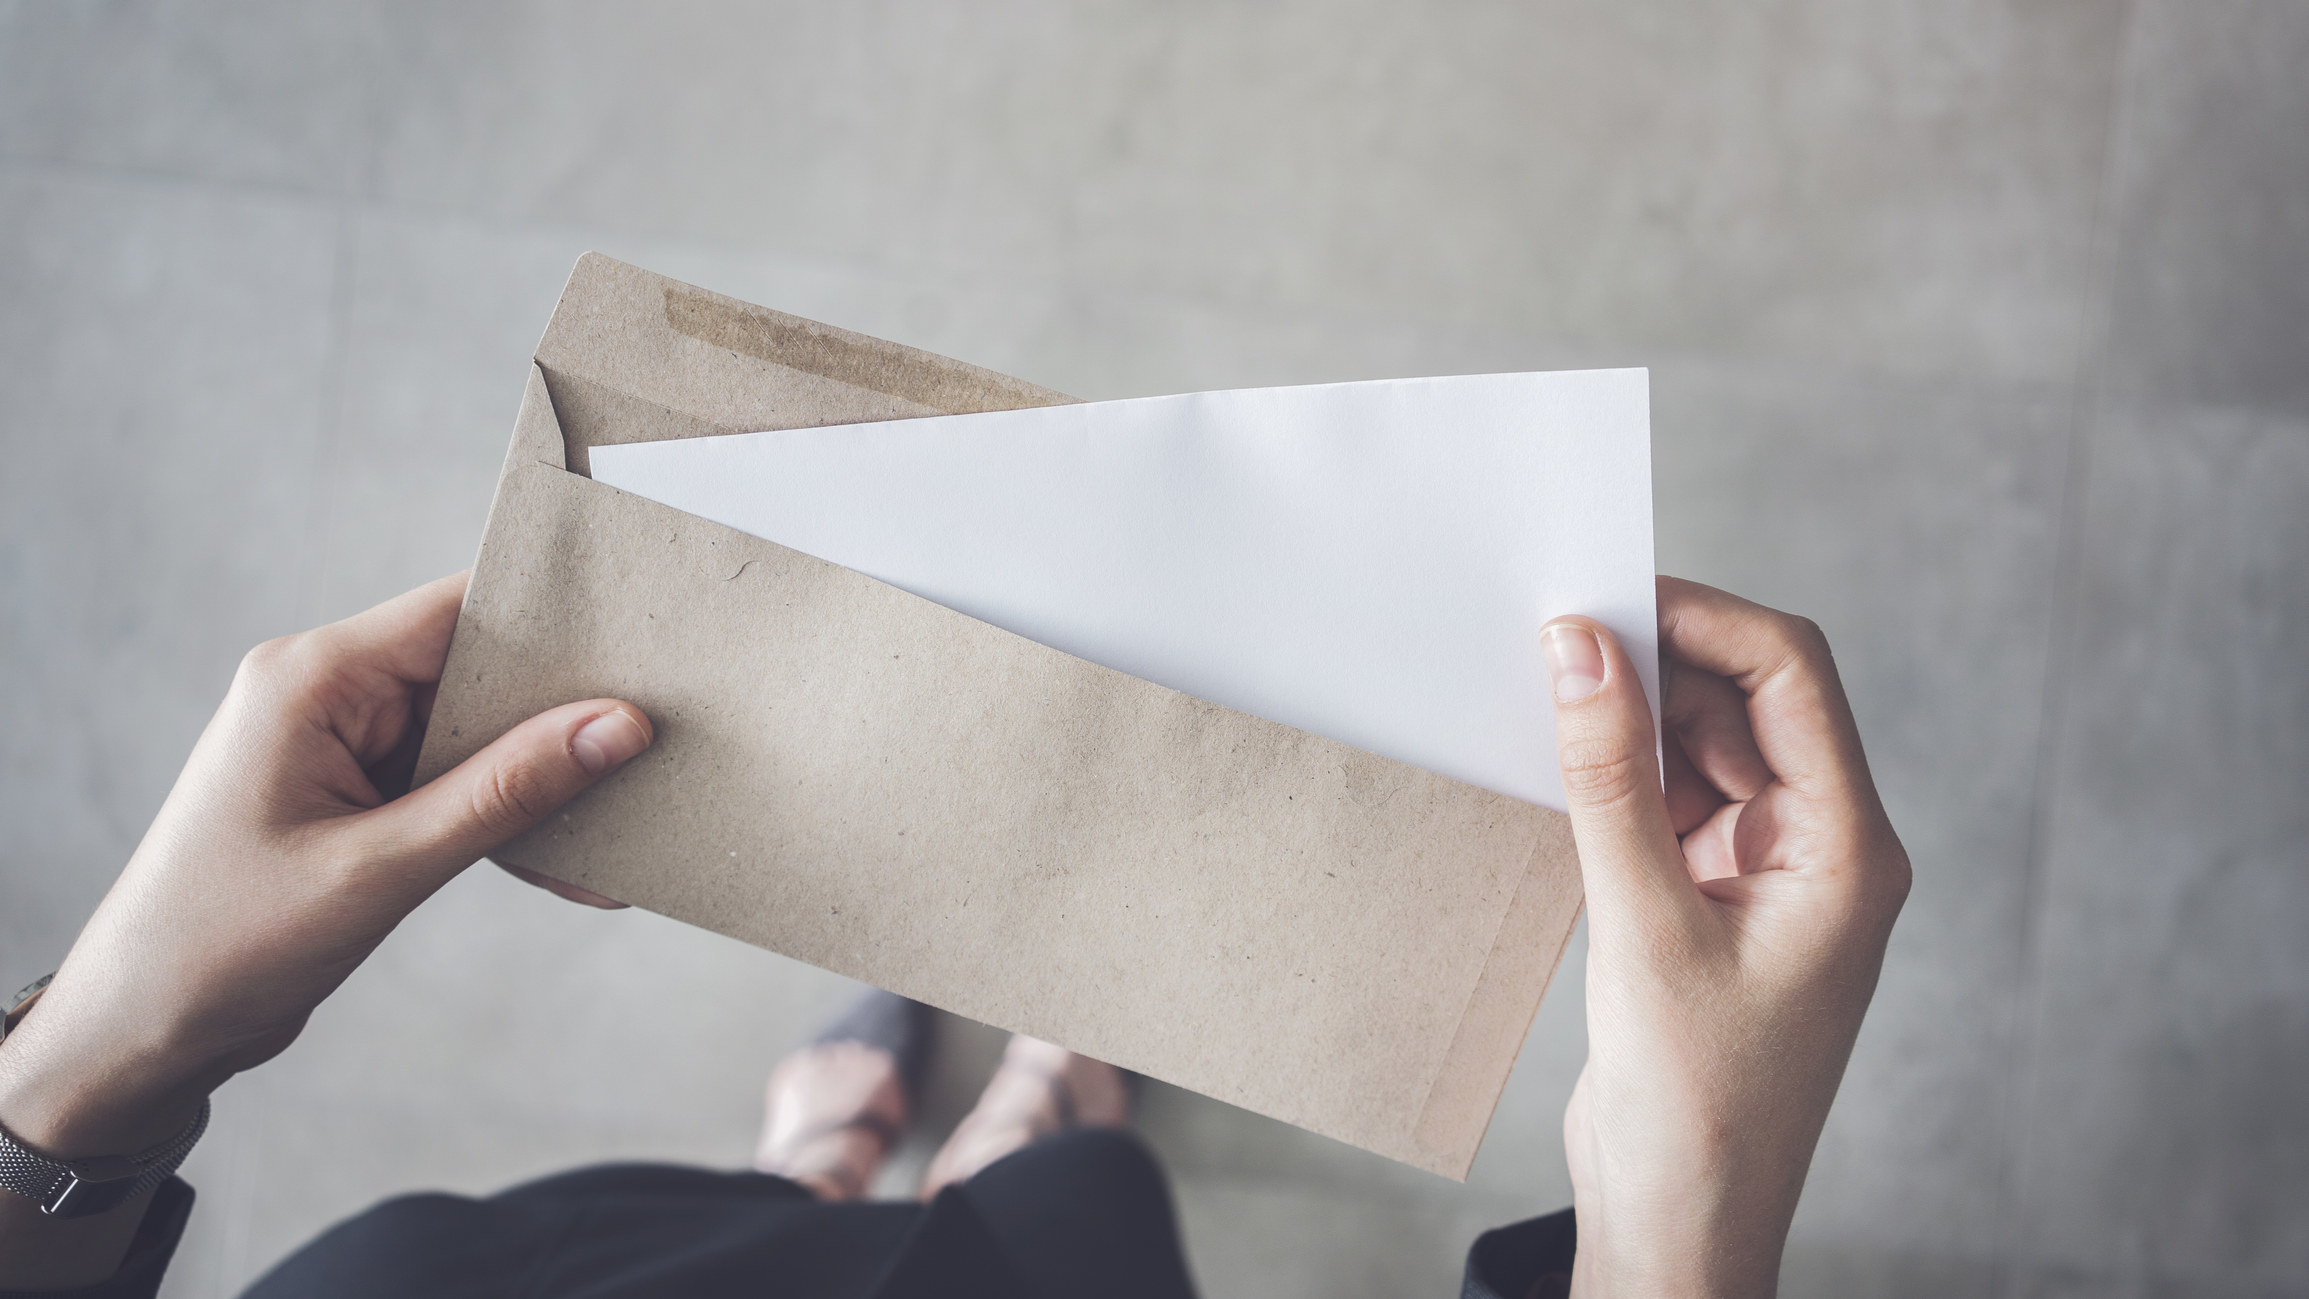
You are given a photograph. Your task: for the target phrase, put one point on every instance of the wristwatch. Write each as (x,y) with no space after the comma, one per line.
(22,1002)
(77,1188)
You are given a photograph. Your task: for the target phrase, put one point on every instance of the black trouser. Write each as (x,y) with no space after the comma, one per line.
(1086,1213)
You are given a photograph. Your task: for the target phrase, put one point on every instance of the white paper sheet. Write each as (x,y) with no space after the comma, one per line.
(1371,562)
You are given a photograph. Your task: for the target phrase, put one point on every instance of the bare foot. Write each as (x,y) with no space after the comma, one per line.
(1039,1091)
(834,1110)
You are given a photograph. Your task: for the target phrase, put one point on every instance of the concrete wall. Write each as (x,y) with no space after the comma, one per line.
(1979,332)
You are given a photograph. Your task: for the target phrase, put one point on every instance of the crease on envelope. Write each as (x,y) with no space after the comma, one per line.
(867,781)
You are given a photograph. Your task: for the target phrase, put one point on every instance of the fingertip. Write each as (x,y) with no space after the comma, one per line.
(610,738)
(562,889)
(1572,648)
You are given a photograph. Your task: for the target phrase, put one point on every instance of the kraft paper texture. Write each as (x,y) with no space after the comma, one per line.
(864,780)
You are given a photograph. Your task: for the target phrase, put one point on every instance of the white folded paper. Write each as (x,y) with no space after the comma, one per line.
(1371,562)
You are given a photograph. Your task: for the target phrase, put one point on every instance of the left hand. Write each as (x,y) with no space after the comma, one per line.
(290,846)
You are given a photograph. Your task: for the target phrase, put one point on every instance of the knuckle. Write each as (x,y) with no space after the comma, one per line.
(1600,771)
(1803,639)
(270,660)
(1895,878)
(1873,880)
(276,672)
(508,800)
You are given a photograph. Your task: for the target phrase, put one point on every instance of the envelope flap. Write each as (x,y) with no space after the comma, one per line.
(631,356)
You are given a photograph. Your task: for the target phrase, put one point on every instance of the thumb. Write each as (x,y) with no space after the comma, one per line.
(1611,773)
(520,779)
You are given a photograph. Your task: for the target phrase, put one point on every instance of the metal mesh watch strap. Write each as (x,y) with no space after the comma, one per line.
(22,1002)
(76,1188)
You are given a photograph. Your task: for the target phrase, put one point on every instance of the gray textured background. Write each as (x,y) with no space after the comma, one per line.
(1979,331)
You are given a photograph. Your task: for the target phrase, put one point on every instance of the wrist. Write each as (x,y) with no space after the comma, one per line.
(83,1160)
(1671,1264)
(1697,1237)
(81,1125)
(72,1095)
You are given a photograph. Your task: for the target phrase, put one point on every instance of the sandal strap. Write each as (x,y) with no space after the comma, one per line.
(880,1126)
(1061,1092)
(887,1022)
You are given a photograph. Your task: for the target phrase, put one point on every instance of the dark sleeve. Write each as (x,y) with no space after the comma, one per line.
(1525,1260)
(148,1254)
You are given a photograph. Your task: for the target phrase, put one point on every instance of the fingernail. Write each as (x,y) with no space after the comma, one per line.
(1574,660)
(606,741)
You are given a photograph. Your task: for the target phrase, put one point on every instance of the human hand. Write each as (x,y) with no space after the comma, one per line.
(288,849)
(1736,924)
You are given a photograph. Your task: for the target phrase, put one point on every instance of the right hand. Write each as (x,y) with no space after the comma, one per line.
(1736,923)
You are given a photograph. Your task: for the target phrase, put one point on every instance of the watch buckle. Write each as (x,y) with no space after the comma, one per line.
(86,1178)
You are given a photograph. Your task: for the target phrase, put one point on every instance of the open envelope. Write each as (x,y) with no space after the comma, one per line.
(862,779)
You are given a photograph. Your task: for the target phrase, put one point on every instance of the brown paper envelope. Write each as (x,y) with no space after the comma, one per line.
(875,784)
